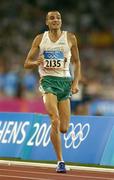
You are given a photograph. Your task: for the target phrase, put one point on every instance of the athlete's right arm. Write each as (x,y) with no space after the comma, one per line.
(33,60)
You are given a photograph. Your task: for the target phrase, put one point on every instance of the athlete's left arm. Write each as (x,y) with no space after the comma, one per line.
(76,63)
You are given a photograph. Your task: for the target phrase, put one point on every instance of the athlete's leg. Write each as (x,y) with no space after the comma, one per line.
(51,104)
(64,114)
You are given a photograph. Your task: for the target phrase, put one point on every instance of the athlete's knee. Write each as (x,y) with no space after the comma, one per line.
(55,122)
(55,125)
(63,129)
(53,115)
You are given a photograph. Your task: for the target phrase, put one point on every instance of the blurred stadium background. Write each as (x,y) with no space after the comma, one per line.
(93,23)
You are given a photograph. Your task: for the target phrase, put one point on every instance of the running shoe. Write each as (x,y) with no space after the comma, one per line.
(61,167)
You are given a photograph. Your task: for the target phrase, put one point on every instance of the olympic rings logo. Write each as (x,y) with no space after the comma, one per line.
(78,133)
(52,56)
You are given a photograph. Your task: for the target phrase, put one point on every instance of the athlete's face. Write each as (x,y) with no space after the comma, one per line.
(53,20)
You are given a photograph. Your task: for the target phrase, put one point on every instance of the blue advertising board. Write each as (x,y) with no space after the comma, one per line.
(14,129)
(27,136)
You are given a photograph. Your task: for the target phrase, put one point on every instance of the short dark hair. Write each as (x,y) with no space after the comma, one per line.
(51,11)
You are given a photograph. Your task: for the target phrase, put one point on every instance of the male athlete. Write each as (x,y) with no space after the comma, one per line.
(52,52)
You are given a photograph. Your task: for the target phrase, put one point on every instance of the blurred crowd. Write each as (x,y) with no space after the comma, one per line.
(91,21)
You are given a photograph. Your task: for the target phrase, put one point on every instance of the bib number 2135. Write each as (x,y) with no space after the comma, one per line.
(52,63)
(53,59)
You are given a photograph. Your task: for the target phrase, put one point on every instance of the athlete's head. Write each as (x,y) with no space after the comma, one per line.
(53,20)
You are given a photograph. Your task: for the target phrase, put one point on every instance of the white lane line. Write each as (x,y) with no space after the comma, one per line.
(23,177)
(56,174)
(32,164)
(35,178)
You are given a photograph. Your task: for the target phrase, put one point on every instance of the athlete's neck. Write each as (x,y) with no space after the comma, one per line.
(55,33)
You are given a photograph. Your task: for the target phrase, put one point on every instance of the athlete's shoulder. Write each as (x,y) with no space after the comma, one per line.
(71,35)
(38,38)
(72,40)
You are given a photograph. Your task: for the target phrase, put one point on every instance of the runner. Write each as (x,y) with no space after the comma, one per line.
(56,49)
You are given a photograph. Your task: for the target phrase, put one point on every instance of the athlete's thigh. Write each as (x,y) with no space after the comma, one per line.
(50,102)
(64,114)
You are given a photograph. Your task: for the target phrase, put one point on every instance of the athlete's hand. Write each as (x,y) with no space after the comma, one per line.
(40,60)
(74,88)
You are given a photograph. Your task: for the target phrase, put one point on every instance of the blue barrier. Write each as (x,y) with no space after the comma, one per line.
(88,140)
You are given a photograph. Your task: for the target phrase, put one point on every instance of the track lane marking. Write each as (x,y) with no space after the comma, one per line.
(56,174)
(23,177)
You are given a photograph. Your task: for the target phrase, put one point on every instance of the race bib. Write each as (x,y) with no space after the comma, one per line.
(53,59)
